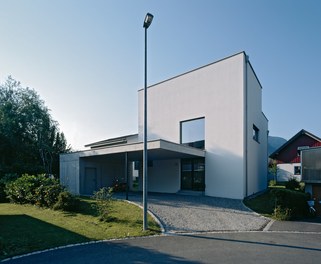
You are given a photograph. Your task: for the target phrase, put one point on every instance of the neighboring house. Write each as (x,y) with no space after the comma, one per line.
(288,156)
(206,133)
(311,174)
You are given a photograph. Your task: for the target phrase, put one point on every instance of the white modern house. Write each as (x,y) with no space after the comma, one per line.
(206,133)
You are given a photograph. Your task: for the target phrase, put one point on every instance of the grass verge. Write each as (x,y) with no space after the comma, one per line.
(26,228)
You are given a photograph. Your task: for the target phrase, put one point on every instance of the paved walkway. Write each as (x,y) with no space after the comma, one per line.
(186,213)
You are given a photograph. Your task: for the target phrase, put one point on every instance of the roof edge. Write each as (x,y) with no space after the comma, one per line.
(196,69)
(301,132)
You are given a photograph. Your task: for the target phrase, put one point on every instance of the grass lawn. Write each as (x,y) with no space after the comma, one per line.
(26,228)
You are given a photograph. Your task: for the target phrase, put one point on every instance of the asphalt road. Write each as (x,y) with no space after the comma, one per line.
(234,247)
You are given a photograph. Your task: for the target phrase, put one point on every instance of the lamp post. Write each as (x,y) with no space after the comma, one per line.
(147,21)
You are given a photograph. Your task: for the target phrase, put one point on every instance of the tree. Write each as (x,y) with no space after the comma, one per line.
(273,169)
(30,140)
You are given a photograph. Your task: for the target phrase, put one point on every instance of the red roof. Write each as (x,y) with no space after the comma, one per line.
(289,152)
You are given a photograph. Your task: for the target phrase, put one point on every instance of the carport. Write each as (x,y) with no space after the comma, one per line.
(122,164)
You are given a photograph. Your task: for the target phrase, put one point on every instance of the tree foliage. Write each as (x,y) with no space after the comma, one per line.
(30,140)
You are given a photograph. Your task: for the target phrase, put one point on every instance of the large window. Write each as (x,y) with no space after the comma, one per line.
(193,133)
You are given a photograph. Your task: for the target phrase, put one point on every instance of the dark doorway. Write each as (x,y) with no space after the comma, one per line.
(193,174)
(90,180)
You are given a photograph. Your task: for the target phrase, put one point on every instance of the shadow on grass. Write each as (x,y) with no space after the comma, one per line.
(21,234)
(85,206)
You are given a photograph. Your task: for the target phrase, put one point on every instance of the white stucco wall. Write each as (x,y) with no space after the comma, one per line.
(286,171)
(221,92)
(257,151)
(164,176)
(216,93)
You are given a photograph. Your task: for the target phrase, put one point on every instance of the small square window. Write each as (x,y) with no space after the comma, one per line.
(256,133)
(297,170)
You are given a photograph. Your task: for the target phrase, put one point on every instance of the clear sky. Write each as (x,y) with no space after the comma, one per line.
(85,58)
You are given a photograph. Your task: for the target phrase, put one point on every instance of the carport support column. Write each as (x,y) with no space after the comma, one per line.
(126,175)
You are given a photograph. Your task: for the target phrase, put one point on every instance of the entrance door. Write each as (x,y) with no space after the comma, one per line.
(193,174)
(90,185)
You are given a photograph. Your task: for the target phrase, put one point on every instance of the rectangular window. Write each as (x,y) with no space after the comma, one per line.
(193,133)
(297,170)
(256,133)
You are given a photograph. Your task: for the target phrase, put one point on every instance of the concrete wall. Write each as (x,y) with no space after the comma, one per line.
(257,151)
(109,169)
(216,93)
(69,171)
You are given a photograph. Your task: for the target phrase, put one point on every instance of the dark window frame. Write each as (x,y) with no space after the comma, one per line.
(256,133)
(297,170)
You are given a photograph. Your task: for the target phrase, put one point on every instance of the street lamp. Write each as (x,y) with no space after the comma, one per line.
(147,21)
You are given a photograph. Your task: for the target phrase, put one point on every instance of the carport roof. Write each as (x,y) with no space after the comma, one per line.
(157,150)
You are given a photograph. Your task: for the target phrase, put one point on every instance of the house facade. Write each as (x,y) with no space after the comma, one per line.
(288,156)
(206,133)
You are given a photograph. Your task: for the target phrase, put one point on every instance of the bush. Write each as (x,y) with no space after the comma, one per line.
(292,184)
(282,214)
(67,202)
(3,181)
(39,190)
(104,194)
(302,186)
(272,183)
(47,195)
(293,203)
(103,197)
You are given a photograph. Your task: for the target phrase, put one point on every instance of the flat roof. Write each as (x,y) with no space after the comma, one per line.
(157,150)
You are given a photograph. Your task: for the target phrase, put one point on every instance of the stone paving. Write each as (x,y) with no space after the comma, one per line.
(186,213)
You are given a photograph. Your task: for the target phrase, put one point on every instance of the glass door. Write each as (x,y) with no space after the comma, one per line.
(193,174)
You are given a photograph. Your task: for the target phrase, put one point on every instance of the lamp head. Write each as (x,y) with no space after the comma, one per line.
(148,20)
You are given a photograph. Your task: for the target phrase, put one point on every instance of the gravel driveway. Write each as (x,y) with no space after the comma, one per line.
(185,213)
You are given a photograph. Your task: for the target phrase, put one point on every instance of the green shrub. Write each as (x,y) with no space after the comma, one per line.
(47,195)
(272,183)
(67,202)
(302,186)
(103,197)
(3,181)
(22,190)
(293,201)
(292,184)
(39,190)
(282,214)
(104,194)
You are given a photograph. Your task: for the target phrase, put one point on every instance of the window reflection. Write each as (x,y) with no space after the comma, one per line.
(193,133)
